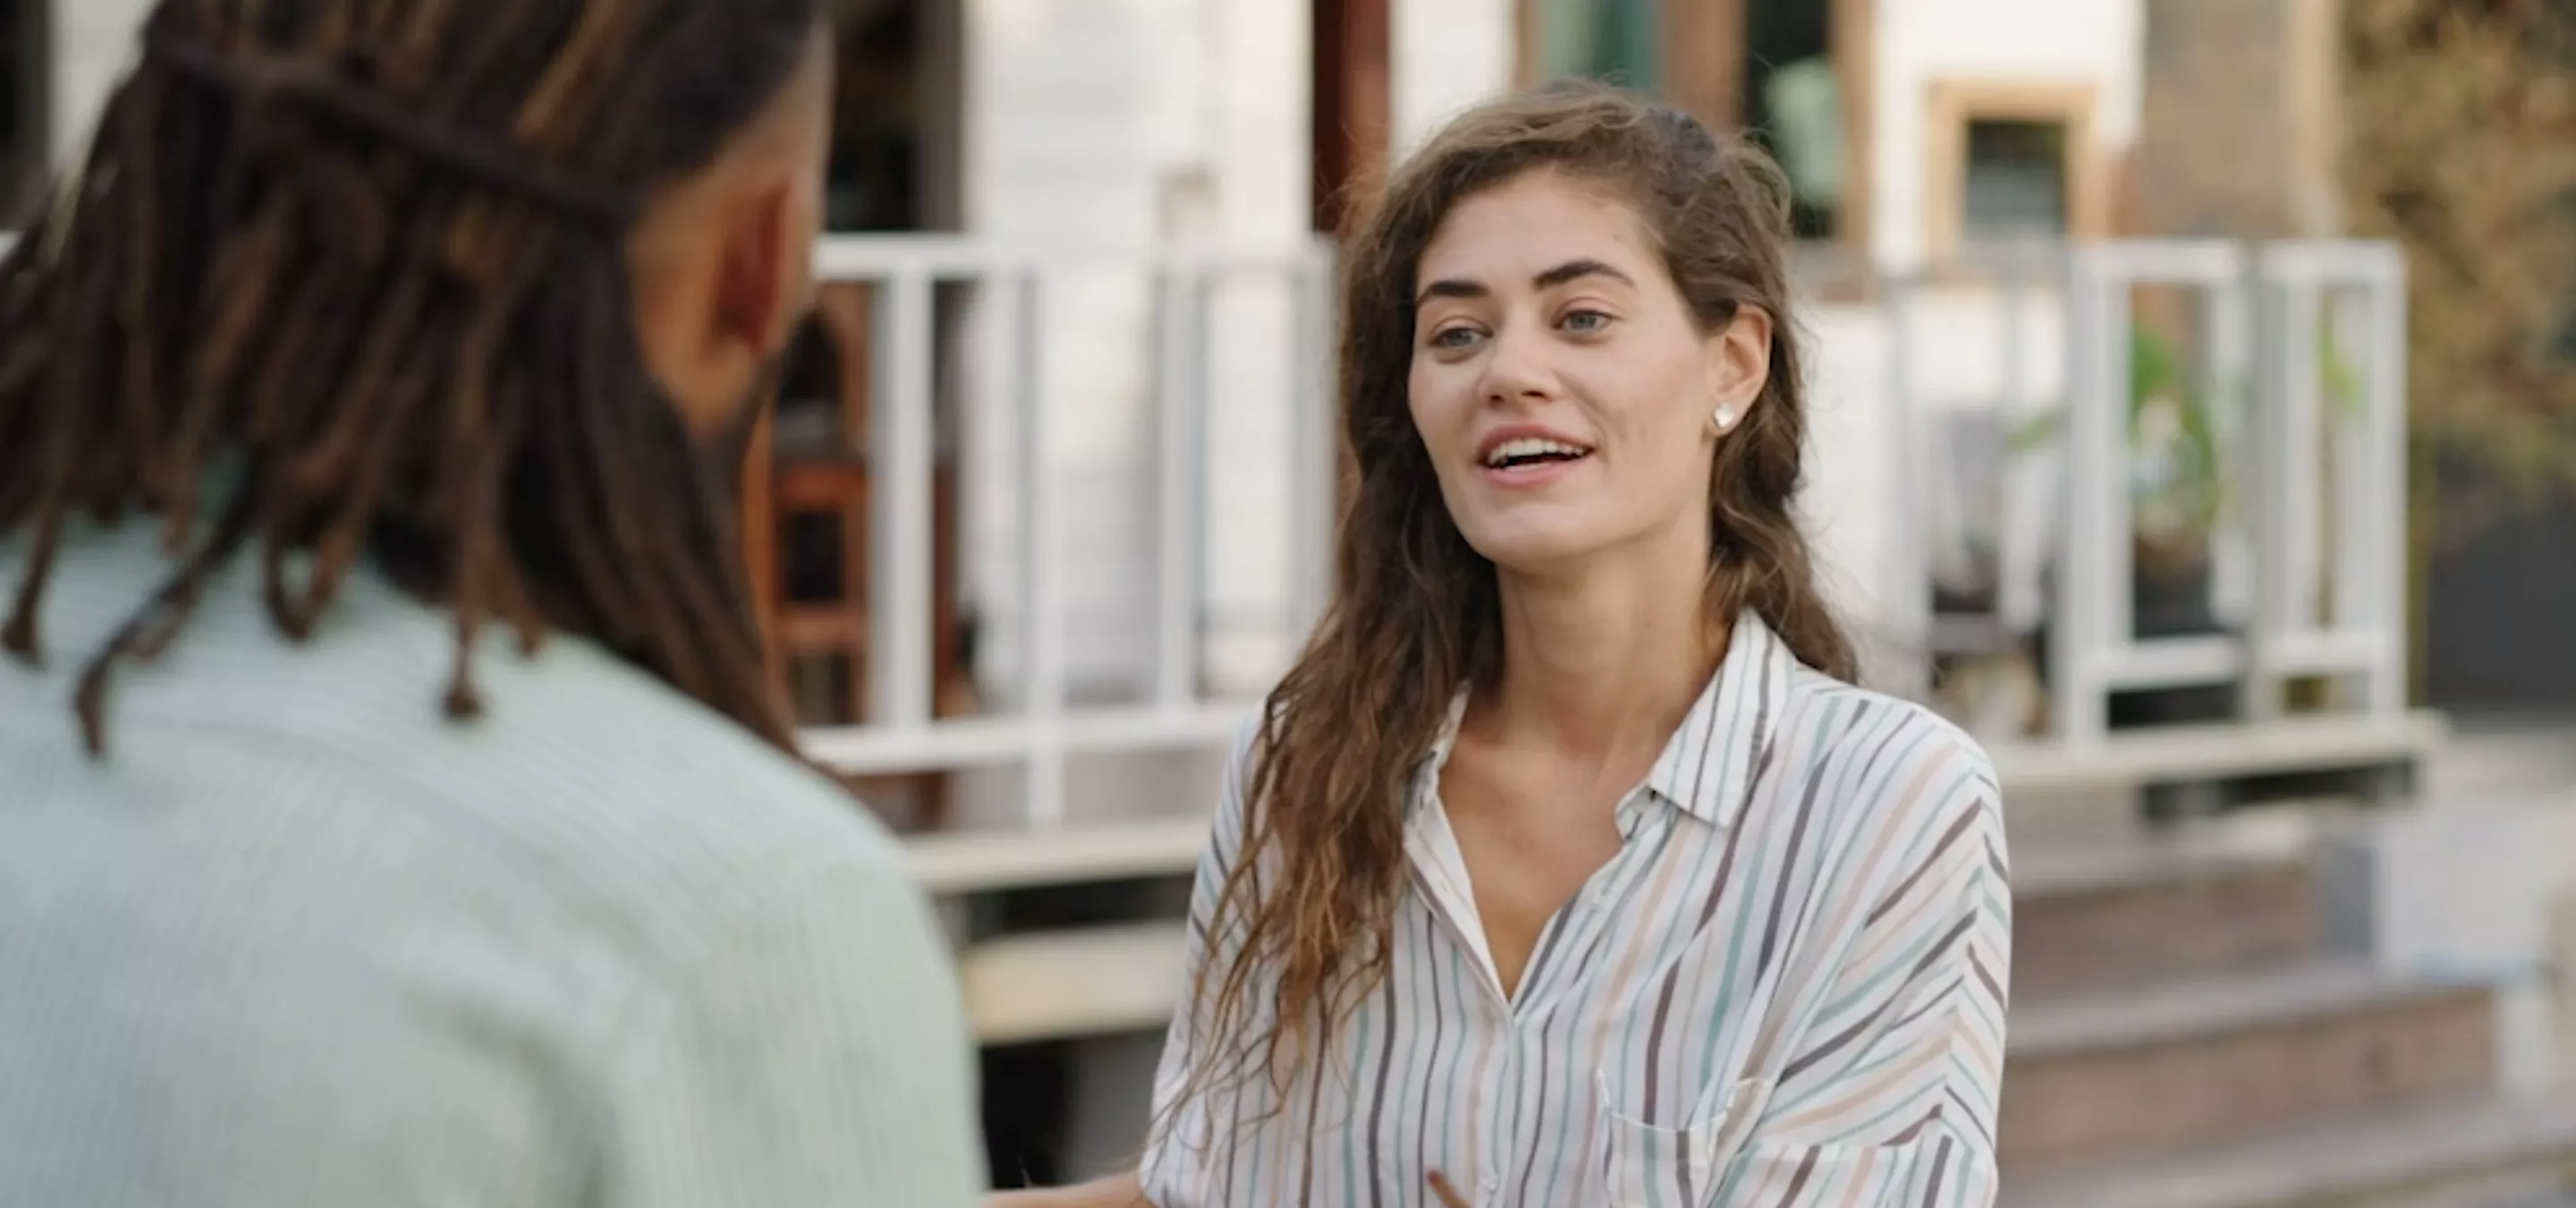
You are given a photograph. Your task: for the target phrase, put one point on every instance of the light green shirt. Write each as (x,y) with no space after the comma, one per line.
(301,942)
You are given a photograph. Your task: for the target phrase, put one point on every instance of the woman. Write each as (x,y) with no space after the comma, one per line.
(1566,866)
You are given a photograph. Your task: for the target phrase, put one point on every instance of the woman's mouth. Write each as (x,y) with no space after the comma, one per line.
(1530,461)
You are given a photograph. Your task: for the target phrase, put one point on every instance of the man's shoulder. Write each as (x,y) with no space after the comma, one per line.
(598,747)
(582,770)
(593,820)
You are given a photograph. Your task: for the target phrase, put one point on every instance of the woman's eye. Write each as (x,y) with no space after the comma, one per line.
(1586,322)
(1453,337)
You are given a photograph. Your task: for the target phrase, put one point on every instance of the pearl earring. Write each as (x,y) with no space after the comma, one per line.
(1725,418)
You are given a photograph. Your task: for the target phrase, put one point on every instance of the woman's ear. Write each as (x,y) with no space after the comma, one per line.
(1739,366)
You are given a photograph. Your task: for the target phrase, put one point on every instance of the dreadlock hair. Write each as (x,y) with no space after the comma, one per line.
(362,264)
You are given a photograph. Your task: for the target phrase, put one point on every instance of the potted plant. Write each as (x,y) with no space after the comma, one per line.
(2177,496)
(2177,477)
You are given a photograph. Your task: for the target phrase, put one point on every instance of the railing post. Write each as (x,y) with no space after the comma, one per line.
(903,440)
(2017,600)
(1043,546)
(2077,632)
(2273,481)
(1180,391)
(2361,633)
(1913,622)
(2386,437)
(1315,413)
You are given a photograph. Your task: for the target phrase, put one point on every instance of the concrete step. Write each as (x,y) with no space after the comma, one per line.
(2164,1069)
(2119,915)
(2484,1153)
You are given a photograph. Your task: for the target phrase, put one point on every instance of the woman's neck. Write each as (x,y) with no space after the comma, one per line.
(1602,664)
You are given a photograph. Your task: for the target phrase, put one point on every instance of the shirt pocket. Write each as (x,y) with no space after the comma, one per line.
(1931,1173)
(1649,1165)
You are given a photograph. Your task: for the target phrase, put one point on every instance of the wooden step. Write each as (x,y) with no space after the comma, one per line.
(2161,1070)
(2105,918)
(1073,982)
(2487,1153)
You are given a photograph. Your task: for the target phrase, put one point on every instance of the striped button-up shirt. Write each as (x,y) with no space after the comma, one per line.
(1786,989)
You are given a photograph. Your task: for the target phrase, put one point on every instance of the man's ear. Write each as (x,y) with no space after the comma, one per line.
(758,282)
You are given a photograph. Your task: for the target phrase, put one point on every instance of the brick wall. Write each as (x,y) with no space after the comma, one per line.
(2238,129)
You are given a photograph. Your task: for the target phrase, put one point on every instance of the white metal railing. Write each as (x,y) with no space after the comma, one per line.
(2263,313)
(2058,321)
(1194,299)
(2093,652)
(2338,298)
(2263,324)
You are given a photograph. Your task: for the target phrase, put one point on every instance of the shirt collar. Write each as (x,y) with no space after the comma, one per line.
(1707,767)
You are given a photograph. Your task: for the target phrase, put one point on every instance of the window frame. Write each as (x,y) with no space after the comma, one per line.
(1951,104)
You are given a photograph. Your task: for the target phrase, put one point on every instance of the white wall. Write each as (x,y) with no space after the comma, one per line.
(1117,125)
(1261,59)
(1447,55)
(1920,41)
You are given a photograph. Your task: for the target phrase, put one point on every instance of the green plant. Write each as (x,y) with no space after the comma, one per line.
(2178,472)
(2176,469)
(2178,482)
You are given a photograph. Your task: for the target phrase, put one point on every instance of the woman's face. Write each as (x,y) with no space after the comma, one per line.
(1569,400)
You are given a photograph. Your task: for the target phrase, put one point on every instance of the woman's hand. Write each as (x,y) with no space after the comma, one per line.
(1116,1191)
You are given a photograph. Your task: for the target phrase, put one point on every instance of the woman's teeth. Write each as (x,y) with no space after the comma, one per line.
(1529,449)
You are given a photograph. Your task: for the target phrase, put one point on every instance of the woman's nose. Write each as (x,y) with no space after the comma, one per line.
(1517,367)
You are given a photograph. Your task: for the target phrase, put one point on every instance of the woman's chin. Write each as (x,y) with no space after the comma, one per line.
(1537,549)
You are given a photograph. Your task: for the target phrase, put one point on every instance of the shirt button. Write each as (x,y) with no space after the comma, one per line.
(1490,1184)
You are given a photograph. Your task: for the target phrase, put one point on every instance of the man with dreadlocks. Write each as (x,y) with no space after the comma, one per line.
(392,807)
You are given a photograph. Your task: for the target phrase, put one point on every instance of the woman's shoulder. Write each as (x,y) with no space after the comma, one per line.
(1228,822)
(1894,759)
